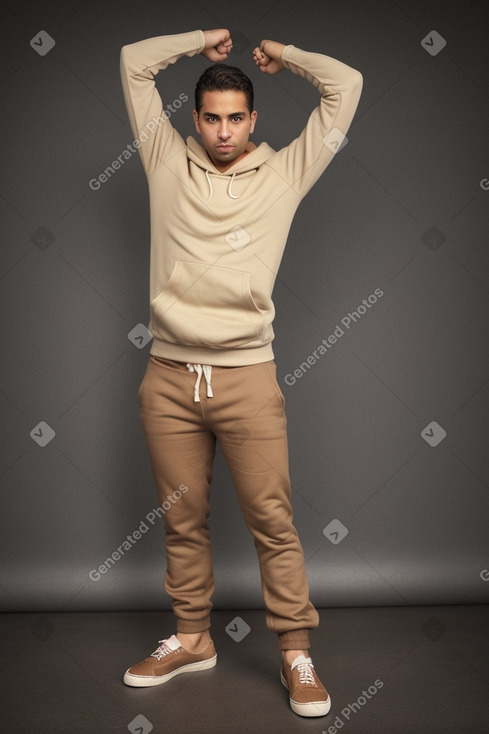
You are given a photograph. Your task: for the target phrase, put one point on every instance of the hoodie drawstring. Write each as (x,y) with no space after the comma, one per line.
(230,193)
(205,369)
(210,184)
(229,190)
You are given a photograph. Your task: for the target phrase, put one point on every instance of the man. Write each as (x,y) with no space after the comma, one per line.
(220,216)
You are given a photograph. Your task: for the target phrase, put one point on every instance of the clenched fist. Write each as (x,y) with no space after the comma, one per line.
(218,44)
(267,56)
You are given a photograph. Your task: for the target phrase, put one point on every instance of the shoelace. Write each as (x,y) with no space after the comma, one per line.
(305,673)
(162,650)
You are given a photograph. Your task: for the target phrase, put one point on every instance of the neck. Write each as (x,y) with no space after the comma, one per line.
(223,167)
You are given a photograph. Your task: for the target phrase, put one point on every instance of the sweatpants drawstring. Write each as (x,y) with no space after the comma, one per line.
(206,369)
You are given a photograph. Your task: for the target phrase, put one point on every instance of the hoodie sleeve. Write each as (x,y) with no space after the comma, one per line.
(139,63)
(303,161)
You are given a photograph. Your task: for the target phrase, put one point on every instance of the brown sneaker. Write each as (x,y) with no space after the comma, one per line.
(168,660)
(307,695)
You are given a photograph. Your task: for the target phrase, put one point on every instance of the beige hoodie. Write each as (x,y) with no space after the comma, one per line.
(217,239)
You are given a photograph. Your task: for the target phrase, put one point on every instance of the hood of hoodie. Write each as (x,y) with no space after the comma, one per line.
(257,155)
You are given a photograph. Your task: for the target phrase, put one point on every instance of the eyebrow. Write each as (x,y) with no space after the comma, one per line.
(233,114)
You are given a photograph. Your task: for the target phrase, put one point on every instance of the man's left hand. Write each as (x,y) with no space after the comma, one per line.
(267,56)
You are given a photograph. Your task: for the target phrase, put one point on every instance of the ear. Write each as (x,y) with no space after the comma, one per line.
(196,120)
(253,117)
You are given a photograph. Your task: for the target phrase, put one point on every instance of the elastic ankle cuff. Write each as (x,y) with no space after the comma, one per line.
(294,640)
(191,626)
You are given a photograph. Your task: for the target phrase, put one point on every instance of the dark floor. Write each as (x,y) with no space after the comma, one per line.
(424,669)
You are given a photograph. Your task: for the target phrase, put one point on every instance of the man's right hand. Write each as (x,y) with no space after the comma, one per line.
(218,44)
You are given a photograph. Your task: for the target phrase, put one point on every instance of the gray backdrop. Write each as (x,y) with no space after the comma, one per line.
(387,430)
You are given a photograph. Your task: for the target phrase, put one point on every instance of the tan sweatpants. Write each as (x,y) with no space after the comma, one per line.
(181,423)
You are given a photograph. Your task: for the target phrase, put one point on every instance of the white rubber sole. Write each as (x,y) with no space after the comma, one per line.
(313,708)
(143,681)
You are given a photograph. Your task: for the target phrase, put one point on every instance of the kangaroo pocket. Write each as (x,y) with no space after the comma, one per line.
(207,305)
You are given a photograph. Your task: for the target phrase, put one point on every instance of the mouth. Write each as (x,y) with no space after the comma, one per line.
(225,148)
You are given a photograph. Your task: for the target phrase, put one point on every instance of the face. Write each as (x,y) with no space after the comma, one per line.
(225,124)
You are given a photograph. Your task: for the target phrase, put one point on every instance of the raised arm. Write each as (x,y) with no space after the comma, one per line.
(340,87)
(140,62)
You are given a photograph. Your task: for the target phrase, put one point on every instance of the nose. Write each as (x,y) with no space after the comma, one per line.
(224,132)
